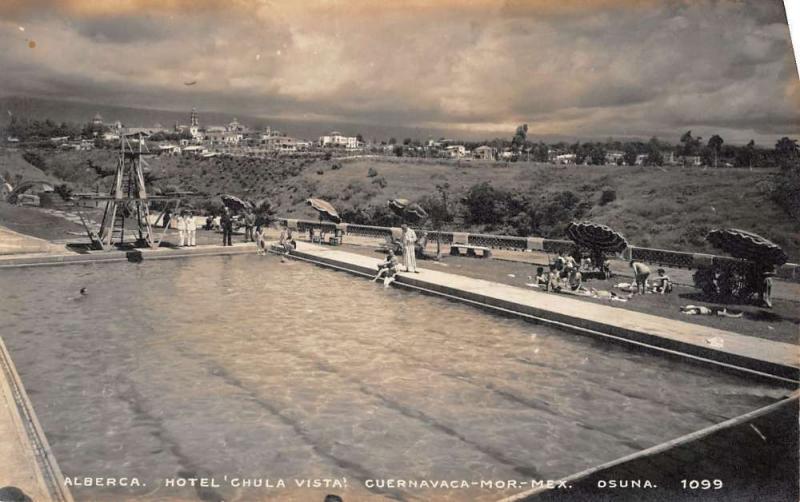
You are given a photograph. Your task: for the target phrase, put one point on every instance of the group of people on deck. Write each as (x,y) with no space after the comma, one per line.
(187,229)
(565,274)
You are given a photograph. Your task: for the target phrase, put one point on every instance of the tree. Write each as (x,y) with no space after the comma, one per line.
(438,212)
(392,140)
(690,146)
(630,155)
(787,153)
(597,155)
(654,157)
(518,141)
(715,144)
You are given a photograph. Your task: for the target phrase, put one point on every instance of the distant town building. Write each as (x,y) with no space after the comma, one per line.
(97,120)
(337,139)
(286,144)
(614,157)
(222,136)
(691,160)
(456,151)
(669,157)
(194,124)
(485,152)
(565,158)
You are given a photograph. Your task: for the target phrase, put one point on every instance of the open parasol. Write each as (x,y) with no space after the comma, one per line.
(408,211)
(325,210)
(41,186)
(235,203)
(747,245)
(398,206)
(596,236)
(414,213)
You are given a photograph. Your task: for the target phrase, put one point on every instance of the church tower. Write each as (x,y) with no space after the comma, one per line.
(194,124)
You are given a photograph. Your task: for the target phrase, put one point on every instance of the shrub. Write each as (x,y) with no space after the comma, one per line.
(336,167)
(607,196)
(320,172)
(34,159)
(380,181)
(371,173)
(63,191)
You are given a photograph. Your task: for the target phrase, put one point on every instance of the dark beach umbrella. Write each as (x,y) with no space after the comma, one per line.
(596,236)
(25,186)
(325,210)
(414,213)
(747,245)
(235,203)
(407,210)
(398,206)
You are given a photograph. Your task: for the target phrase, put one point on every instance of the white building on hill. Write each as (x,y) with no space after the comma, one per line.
(337,139)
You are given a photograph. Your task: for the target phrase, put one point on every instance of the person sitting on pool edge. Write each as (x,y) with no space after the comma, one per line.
(387,269)
(640,273)
(662,284)
(542,278)
(287,241)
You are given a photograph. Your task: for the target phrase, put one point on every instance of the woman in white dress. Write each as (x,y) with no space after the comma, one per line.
(409,238)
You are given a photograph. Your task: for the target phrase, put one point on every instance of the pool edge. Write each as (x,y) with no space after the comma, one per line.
(38,463)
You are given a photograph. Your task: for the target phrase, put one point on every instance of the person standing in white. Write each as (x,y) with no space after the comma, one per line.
(191,230)
(409,240)
(181,230)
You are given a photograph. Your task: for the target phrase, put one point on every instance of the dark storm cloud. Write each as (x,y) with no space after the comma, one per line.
(122,29)
(606,67)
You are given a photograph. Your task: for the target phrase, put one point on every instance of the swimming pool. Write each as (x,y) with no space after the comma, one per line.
(254,369)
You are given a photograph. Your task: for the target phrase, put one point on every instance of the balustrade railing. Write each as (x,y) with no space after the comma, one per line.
(663,257)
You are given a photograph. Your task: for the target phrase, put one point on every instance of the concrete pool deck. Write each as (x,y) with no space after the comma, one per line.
(710,345)
(68,258)
(26,461)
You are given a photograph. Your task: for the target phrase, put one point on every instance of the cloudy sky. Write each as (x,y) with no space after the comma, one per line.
(574,68)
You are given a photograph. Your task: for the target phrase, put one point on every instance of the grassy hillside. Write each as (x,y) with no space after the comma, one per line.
(13,168)
(668,207)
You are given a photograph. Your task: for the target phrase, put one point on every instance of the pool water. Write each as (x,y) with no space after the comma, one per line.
(247,367)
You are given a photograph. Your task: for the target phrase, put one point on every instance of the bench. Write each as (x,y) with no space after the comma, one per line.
(455,250)
(333,240)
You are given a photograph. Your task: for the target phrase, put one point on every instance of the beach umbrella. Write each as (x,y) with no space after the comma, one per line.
(325,210)
(398,206)
(596,236)
(407,210)
(747,245)
(414,213)
(235,204)
(31,185)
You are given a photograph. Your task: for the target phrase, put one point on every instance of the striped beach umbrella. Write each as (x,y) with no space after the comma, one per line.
(325,210)
(596,236)
(747,245)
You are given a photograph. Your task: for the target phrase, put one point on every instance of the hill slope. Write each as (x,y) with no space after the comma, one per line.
(670,208)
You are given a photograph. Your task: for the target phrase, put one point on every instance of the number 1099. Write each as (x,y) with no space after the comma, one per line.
(701,484)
